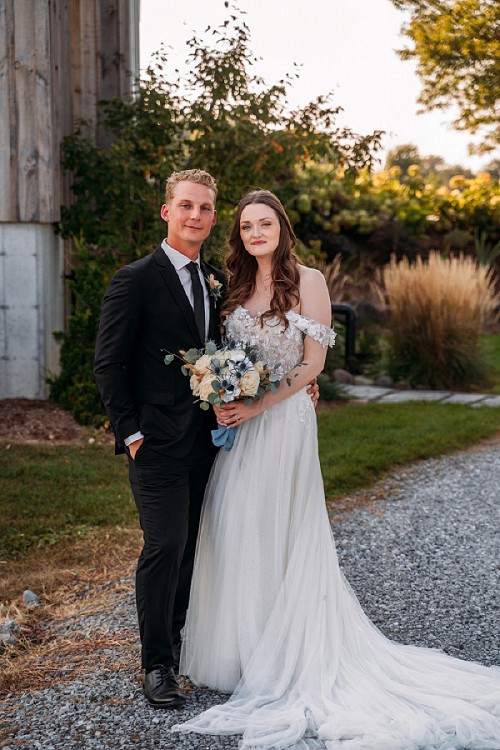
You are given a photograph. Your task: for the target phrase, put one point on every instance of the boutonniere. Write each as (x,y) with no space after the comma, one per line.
(214,288)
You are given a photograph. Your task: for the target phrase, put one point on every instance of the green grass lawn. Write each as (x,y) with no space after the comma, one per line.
(360,442)
(48,493)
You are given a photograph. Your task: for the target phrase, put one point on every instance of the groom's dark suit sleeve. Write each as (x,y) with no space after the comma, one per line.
(116,341)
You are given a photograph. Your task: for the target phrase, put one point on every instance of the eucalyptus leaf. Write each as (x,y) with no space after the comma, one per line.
(191,356)
(184,371)
(204,406)
(210,348)
(168,358)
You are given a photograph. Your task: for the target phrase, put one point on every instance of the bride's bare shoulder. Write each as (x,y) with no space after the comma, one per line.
(314,295)
(311,280)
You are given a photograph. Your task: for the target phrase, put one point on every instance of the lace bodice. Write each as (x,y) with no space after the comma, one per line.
(282,349)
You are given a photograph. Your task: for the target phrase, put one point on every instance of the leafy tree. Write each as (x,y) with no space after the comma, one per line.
(431,164)
(221,117)
(457,47)
(408,156)
(493,169)
(403,157)
(446,173)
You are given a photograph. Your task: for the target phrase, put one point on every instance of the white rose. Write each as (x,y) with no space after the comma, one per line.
(206,386)
(202,364)
(259,366)
(249,383)
(194,382)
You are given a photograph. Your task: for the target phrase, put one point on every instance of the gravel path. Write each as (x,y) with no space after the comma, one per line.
(424,563)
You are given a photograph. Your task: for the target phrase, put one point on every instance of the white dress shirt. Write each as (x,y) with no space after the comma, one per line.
(179,262)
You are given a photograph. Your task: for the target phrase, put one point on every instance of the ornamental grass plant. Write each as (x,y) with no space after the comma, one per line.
(438,308)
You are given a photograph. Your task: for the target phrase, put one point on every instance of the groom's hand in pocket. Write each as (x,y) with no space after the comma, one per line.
(134,447)
(313,391)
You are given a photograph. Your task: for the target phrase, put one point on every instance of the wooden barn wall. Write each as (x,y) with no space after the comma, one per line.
(57,59)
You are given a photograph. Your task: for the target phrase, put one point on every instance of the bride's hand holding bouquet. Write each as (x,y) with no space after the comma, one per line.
(231,379)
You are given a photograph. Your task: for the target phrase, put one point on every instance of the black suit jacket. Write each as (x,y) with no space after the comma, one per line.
(146,310)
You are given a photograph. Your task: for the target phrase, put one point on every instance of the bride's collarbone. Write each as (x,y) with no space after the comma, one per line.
(258,305)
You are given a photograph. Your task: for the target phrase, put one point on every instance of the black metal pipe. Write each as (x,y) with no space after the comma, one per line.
(347,314)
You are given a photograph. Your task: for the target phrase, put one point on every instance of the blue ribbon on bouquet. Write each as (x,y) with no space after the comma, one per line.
(223,437)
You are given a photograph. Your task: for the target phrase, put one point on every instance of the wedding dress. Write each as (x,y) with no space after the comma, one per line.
(273,621)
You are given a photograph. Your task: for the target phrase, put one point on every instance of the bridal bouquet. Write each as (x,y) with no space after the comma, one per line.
(219,375)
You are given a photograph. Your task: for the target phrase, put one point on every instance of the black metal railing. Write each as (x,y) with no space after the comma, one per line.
(347,315)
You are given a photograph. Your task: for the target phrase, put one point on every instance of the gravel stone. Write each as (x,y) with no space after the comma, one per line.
(30,598)
(9,633)
(424,563)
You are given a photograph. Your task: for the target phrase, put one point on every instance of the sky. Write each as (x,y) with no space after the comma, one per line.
(344,46)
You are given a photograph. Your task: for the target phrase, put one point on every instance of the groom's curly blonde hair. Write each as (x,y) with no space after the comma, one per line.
(189,175)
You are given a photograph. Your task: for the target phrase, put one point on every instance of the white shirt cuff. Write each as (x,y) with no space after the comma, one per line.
(132,438)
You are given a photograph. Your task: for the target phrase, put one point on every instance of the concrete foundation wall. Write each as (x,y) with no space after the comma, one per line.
(31,307)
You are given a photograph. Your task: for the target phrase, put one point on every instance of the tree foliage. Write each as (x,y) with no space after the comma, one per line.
(403,156)
(220,116)
(373,216)
(456,44)
(407,155)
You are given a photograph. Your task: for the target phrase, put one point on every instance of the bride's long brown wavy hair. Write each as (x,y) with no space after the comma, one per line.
(242,267)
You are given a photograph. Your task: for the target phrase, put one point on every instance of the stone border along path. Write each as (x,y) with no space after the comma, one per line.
(422,558)
(374,393)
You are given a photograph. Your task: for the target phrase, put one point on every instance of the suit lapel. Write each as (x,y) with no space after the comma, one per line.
(213,324)
(173,283)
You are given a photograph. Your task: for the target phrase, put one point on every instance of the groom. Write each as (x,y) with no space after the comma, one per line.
(163,302)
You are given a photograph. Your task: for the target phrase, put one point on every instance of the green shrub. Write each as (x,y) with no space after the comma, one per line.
(330,390)
(75,387)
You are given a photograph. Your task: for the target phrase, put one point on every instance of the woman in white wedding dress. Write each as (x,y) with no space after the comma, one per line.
(271,618)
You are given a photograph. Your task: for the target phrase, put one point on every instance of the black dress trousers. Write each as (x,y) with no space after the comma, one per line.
(168,493)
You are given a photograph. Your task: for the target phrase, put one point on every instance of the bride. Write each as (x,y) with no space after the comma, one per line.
(271,618)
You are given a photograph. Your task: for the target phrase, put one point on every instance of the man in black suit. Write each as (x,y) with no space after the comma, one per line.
(163,302)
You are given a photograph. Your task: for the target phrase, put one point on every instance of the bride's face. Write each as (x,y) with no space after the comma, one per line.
(259,229)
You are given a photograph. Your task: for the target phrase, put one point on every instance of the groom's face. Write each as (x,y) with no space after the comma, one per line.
(190,216)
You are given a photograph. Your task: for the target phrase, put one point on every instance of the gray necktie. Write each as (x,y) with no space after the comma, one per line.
(199,300)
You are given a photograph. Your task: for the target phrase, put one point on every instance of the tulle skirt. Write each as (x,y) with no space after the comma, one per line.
(273,621)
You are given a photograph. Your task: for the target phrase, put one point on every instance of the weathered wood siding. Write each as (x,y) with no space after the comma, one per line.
(58,58)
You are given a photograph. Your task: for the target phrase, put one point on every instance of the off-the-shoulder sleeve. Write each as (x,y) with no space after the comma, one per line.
(317,331)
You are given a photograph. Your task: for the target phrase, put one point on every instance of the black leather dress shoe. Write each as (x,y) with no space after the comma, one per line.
(161,688)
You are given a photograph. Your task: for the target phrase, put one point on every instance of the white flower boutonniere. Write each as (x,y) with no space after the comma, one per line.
(215,288)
